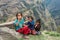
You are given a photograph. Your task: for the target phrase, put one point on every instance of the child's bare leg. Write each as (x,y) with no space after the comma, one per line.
(25,36)
(33,32)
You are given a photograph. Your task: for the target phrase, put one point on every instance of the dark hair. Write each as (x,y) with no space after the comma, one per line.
(39,21)
(31,17)
(17,14)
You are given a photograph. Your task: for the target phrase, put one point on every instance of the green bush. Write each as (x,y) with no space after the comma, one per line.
(55,34)
(58,29)
(46,32)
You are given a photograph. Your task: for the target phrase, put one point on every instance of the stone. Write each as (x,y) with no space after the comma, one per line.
(8,34)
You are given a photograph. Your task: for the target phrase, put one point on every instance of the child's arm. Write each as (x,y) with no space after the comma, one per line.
(28,23)
(16,23)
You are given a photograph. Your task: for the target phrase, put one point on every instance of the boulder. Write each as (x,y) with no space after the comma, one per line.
(8,34)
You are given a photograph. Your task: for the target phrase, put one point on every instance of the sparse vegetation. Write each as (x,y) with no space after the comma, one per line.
(55,34)
(58,29)
(44,36)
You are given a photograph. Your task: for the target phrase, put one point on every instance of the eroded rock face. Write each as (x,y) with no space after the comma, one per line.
(35,8)
(9,7)
(8,34)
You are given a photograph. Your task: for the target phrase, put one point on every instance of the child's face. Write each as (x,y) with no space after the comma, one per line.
(37,23)
(19,16)
(30,19)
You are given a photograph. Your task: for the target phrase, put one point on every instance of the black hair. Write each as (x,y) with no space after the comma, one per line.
(39,21)
(31,17)
(17,14)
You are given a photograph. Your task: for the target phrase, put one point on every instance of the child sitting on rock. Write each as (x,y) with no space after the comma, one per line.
(20,27)
(38,26)
(31,25)
(19,21)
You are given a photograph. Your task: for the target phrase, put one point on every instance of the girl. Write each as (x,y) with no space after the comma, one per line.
(19,27)
(37,26)
(31,25)
(18,22)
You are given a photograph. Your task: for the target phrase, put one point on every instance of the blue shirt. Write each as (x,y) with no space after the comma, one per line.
(31,25)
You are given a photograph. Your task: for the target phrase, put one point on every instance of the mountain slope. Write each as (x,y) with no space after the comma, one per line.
(37,8)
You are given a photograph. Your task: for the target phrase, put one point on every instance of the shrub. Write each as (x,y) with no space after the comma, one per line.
(58,29)
(55,34)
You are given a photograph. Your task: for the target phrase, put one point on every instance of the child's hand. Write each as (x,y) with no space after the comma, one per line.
(35,26)
(16,24)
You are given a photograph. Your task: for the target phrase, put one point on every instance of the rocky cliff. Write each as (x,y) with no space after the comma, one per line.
(47,11)
(36,8)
